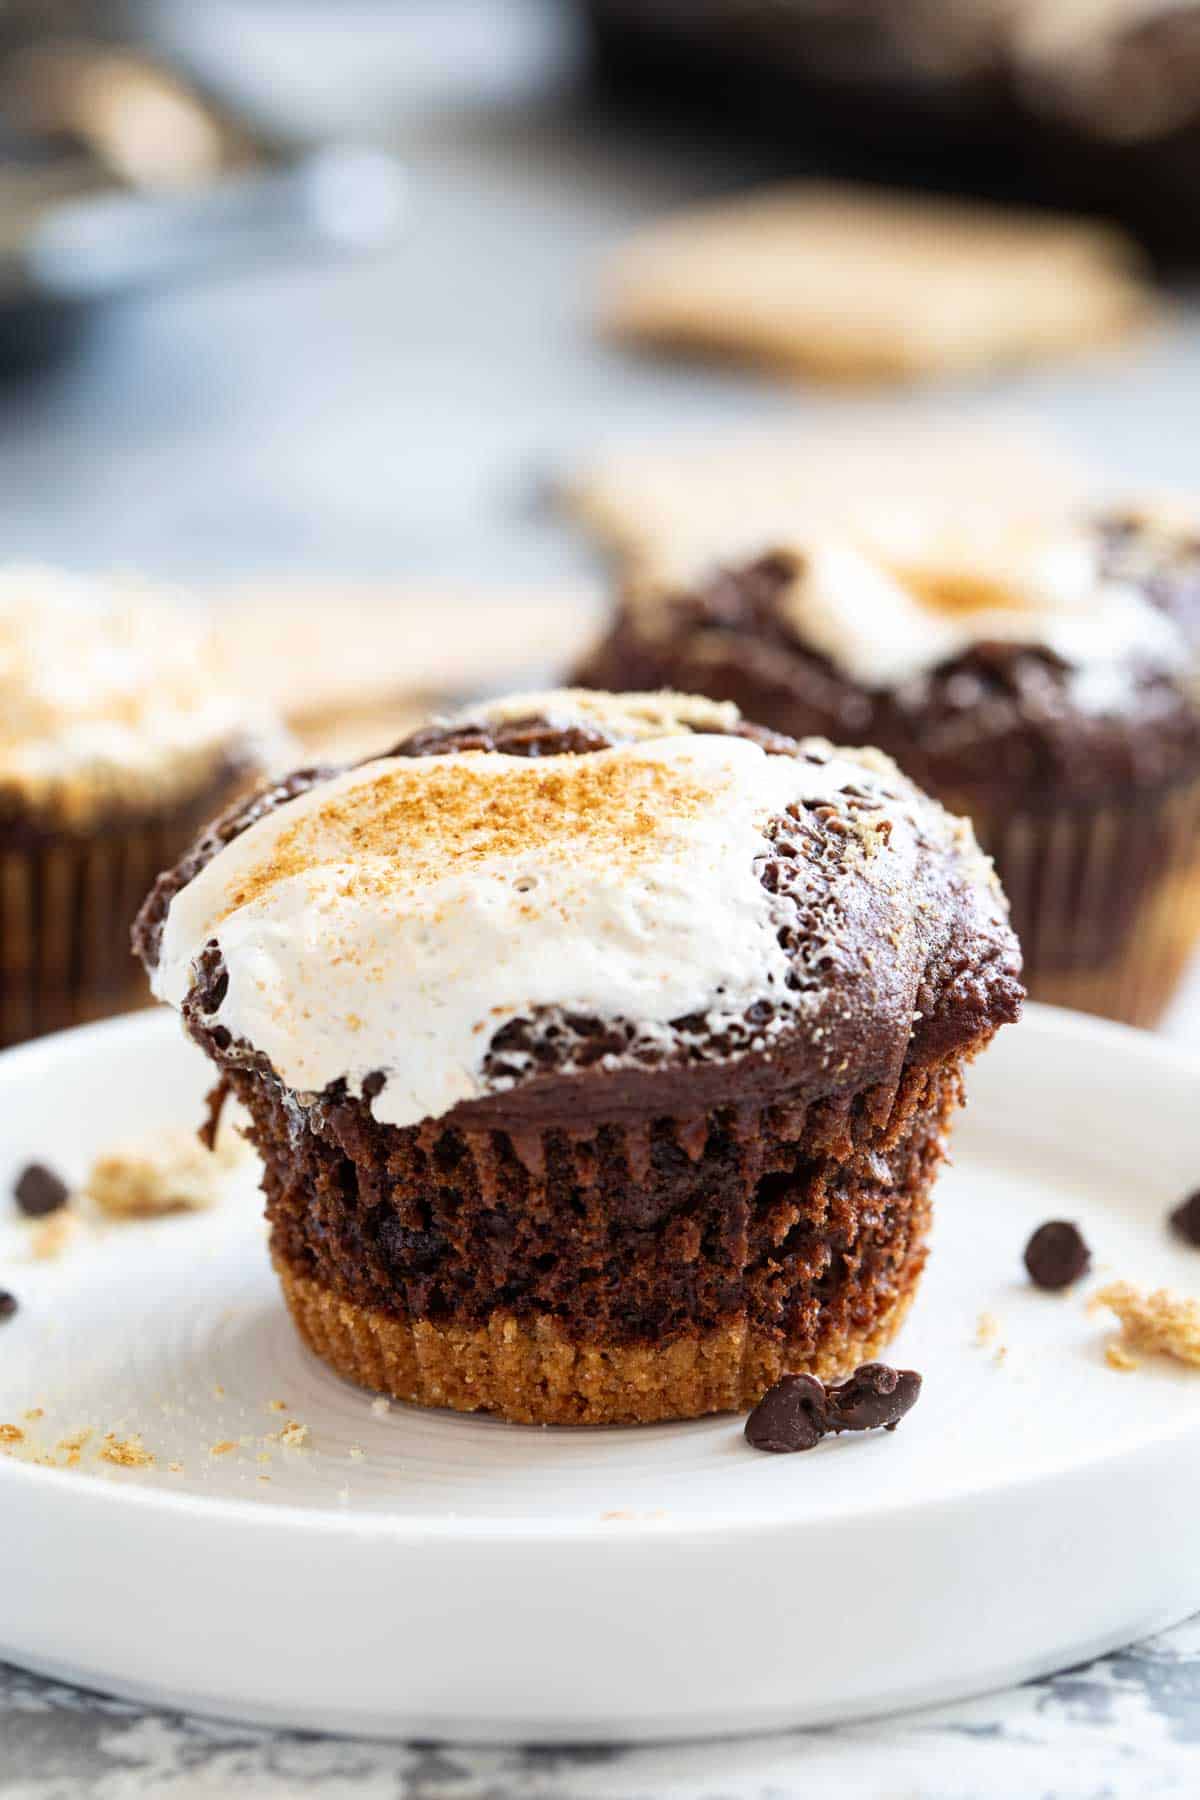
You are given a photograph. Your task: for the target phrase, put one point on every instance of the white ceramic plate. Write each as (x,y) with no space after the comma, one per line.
(427,1574)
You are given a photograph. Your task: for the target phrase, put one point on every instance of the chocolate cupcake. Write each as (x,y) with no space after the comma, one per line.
(600,1051)
(1044,682)
(116,744)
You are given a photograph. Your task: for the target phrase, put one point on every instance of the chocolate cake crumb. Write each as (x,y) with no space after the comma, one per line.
(1186,1219)
(214,1106)
(799,1410)
(38,1191)
(9,1304)
(1056,1256)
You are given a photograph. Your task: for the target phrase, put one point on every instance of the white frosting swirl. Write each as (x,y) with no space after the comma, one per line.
(889,612)
(395,917)
(108,693)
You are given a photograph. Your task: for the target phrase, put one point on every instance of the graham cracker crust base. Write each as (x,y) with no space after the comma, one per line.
(533,1373)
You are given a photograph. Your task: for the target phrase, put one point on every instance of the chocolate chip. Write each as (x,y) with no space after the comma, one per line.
(1056,1255)
(798,1411)
(39,1191)
(875,1394)
(8,1304)
(1186,1219)
(790,1416)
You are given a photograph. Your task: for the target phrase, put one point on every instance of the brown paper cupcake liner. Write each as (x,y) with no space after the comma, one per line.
(67,902)
(533,1372)
(1105,899)
(609,1274)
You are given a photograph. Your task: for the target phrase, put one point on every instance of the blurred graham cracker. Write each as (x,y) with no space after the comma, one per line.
(669,512)
(352,667)
(847,284)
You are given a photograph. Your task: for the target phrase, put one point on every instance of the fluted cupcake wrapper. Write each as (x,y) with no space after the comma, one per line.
(67,902)
(1105,899)
(713,1254)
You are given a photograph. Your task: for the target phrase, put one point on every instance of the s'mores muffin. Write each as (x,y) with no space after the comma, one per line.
(117,741)
(1041,678)
(600,1050)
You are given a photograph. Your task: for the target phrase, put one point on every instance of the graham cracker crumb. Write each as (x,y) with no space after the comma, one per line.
(1160,1322)
(175,1468)
(126,1453)
(35,1412)
(168,1171)
(294,1435)
(73,1443)
(218,1392)
(223,1448)
(357,1454)
(277,1405)
(987,1328)
(11,1434)
(1118,1358)
(53,1235)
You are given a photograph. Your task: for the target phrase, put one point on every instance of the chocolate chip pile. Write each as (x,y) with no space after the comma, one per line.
(8,1304)
(799,1410)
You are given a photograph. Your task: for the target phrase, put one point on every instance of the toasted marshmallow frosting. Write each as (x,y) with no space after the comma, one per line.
(903,592)
(386,924)
(886,617)
(108,695)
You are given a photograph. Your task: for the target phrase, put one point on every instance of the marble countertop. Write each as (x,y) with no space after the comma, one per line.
(1128,1725)
(441,384)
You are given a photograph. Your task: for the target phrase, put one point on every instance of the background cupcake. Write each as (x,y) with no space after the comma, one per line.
(117,741)
(600,1051)
(1042,680)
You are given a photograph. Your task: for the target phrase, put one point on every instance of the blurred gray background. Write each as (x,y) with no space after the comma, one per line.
(401,414)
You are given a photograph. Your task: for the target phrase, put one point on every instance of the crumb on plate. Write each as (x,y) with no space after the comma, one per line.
(127,1453)
(1159,1322)
(52,1235)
